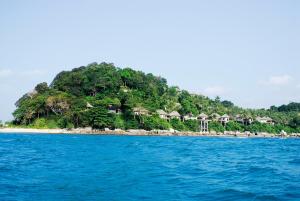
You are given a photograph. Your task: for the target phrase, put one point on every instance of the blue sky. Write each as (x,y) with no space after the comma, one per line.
(244,51)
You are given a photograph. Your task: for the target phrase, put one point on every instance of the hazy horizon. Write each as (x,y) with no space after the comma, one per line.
(246,52)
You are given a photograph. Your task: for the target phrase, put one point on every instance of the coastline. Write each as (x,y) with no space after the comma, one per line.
(132,132)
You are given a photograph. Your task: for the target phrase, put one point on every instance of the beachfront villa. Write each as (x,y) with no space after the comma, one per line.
(243,120)
(265,120)
(224,119)
(162,114)
(174,115)
(203,118)
(189,116)
(139,111)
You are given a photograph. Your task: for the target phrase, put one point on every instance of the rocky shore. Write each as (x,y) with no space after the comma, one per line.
(138,132)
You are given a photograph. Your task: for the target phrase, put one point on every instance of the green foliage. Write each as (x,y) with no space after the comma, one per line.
(64,103)
(227,103)
(40,123)
(99,118)
(192,125)
(119,122)
(62,123)
(291,107)
(234,126)
(216,126)
(42,88)
(259,127)
(132,124)
(51,124)
(154,122)
(178,125)
(295,122)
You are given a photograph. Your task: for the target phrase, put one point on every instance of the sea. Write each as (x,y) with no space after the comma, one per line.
(44,167)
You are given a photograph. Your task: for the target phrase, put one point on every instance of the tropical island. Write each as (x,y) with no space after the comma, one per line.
(105,97)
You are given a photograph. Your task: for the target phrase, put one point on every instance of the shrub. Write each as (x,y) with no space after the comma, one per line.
(216,126)
(178,125)
(154,122)
(234,126)
(40,123)
(192,125)
(119,122)
(51,124)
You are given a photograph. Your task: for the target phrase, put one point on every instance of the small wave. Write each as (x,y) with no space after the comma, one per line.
(8,140)
(295,161)
(233,194)
(266,197)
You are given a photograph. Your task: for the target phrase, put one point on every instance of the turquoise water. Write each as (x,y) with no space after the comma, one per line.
(74,167)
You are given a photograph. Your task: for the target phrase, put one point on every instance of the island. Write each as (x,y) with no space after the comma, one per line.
(103,98)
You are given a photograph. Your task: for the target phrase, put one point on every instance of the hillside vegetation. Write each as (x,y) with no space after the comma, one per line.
(86,97)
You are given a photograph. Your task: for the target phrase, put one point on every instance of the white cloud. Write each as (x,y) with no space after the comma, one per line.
(214,90)
(5,73)
(279,80)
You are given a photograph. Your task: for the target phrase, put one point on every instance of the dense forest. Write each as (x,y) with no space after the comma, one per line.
(104,96)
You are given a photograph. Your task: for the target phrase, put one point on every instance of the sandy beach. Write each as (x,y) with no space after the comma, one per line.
(138,132)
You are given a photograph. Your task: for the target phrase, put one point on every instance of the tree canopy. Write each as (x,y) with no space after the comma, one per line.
(88,95)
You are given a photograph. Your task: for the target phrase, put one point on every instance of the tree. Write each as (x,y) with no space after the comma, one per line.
(227,103)
(42,88)
(178,125)
(295,122)
(233,126)
(192,125)
(58,104)
(216,126)
(80,98)
(99,118)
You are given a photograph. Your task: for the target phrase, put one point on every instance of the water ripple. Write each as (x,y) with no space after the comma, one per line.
(64,167)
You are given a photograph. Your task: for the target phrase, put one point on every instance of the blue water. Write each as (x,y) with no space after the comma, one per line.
(74,167)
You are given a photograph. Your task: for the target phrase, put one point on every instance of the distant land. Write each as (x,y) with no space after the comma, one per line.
(102,96)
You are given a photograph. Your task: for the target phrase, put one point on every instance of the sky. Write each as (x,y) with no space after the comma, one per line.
(246,51)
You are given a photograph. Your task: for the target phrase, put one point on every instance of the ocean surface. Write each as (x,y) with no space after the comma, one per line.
(76,167)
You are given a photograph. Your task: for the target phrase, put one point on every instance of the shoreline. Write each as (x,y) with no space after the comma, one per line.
(132,132)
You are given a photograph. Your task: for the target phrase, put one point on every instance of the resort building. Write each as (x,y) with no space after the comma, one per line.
(265,120)
(189,116)
(203,118)
(224,119)
(162,114)
(174,115)
(243,120)
(139,111)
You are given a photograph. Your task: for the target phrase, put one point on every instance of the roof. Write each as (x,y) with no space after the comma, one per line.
(161,112)
(225,116)
(174,114)
(215,115)
(264,119)
(140,109)
(202,115)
